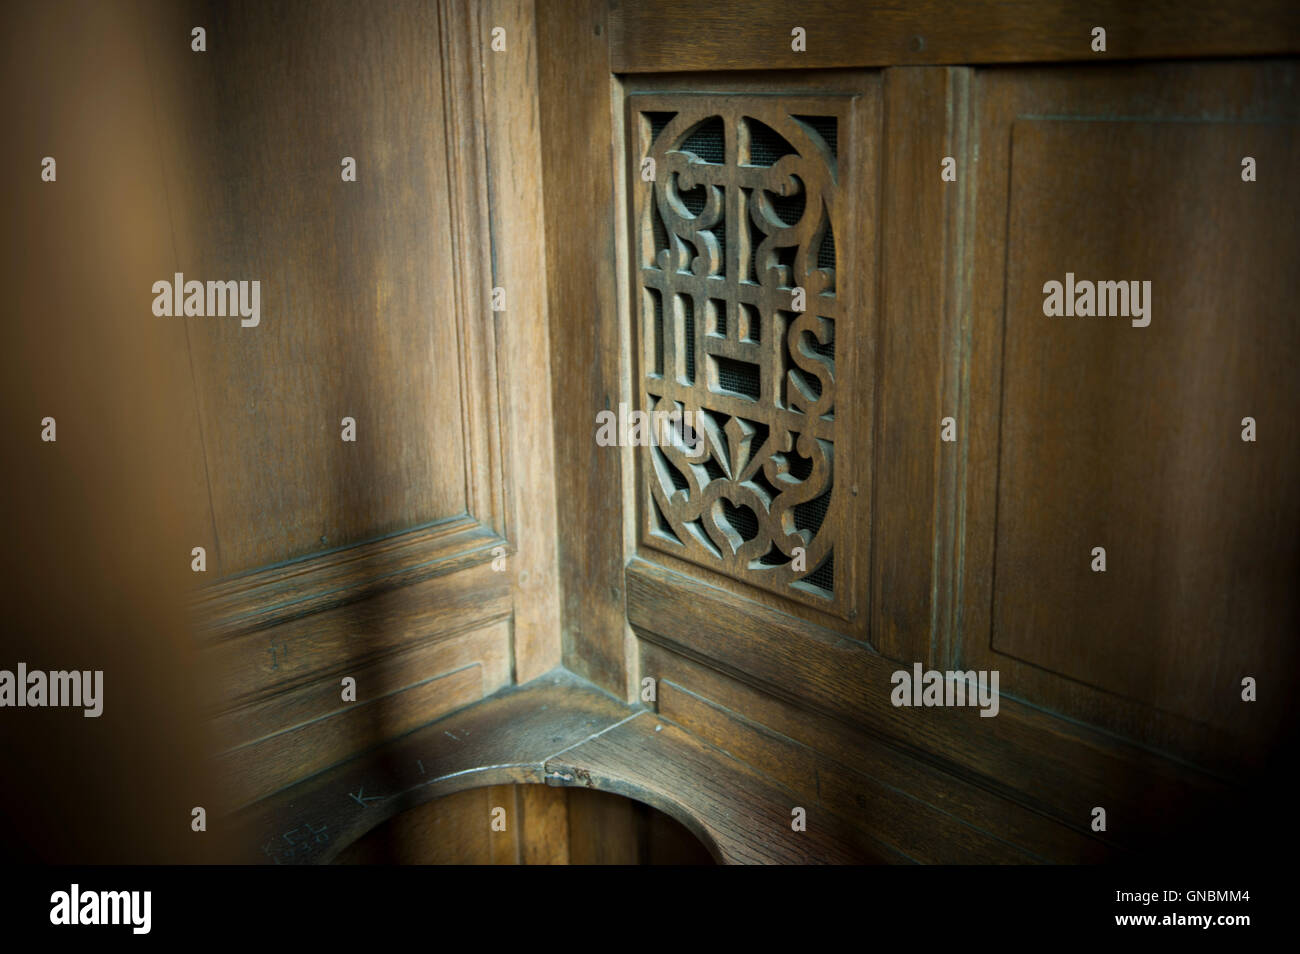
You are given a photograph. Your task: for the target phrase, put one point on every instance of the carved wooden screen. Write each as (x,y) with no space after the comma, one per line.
(748,303)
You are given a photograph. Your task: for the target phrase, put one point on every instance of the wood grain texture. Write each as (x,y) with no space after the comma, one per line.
(855,102)
(740,816)
(298,731)
(608,829)
(1051,766)
(456,830)
(1091,432)
(848,771)
(461,65)
(544,836)
(504,739)
(920,243)
(672,35)
(487,649)
(359,311)
(278,594)
(519,265)
(574,109)
(258,664)
(343,729)
(604,829)
(565,732)
(452,830)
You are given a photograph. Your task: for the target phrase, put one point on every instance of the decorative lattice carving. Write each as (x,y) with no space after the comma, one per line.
(736,294)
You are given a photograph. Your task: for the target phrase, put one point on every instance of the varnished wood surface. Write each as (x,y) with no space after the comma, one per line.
(519,266)
(561,731)
(429,606)
(574,109)
(911,809)
(674,35)
(359,313)
(740,816)
(506,739)
(542,825)
(1087,432)
(1054,767)
(279,594)
(453,830)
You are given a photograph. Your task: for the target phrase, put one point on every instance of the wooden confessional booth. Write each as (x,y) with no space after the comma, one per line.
(828,232)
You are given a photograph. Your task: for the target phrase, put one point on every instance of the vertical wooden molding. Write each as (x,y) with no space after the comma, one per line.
(955,394)
(573,86)
(519,264)
(463,44)
(909,403)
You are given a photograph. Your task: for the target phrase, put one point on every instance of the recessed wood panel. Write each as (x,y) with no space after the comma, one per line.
(1128,437)
(1091,431)
(359,295)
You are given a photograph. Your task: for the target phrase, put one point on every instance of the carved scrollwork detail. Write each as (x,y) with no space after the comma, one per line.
(738,318)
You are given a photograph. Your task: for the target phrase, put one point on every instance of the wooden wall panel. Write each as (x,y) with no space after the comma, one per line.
(399,560)
(359,297)
(1050,765)
(1090,432)
(1131,438)
(519,263)
(288,736)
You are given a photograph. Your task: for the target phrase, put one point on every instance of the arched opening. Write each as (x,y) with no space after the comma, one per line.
(529,824)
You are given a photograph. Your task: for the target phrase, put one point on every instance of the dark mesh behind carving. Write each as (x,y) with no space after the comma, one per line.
(827,127)
(759,479)
(735,359)
(706,141)
(679,482)
(809,516)
(756,236)
(688,310)
(766,145)
(657,228)
(825,350)
(824,575)
(739,377)
(800,467)
(657,358)
(826,254)
(657,123)
(694,200)
(720,232)
(662,522)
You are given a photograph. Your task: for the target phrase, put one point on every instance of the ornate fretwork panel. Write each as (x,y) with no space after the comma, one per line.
(743,319)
